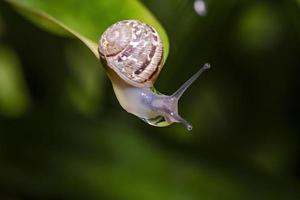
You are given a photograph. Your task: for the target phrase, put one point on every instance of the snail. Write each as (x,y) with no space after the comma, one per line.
(132,53)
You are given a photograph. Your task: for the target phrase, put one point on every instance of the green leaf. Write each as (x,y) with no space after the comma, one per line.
(86,20)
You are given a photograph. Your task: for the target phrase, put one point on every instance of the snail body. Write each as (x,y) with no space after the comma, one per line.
(132,53)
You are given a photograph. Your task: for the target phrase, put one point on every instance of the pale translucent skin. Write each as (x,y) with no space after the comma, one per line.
(147,105)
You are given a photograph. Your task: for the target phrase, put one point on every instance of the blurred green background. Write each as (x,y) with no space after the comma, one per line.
(63,134)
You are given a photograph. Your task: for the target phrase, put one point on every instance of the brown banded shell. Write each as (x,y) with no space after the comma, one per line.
(134,51)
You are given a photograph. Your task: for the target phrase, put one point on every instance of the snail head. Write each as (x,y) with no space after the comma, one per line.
(167,106)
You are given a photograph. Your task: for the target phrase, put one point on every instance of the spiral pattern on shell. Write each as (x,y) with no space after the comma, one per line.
(134,51)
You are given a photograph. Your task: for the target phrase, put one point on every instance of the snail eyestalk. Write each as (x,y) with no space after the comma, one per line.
(168,105)
(189,82)
(176,95)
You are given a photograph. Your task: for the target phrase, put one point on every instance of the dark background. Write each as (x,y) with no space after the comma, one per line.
(63,135)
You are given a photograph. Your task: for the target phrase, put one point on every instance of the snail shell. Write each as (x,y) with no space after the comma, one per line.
(134,51)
